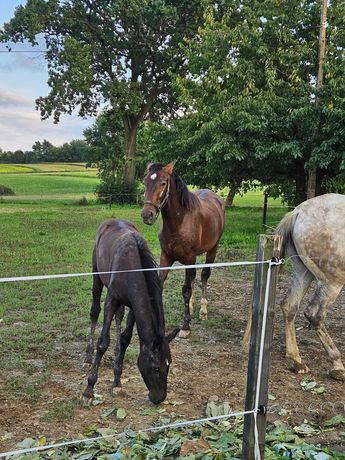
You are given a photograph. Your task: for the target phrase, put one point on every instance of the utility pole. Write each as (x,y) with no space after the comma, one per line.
(311,188)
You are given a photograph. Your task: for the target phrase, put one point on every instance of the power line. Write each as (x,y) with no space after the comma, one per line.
(28,51)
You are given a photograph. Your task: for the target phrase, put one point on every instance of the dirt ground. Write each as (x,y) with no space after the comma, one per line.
(209,363)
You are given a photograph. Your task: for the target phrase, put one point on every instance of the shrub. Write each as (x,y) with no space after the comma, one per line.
(116,191)
(6,191)
(334,184)
(82,201)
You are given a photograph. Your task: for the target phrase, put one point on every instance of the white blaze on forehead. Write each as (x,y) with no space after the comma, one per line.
(153,176)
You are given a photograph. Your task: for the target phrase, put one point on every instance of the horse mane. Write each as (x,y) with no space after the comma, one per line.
(186,198)
(153,283)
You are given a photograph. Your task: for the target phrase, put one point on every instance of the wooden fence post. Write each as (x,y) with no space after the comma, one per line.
(268,247)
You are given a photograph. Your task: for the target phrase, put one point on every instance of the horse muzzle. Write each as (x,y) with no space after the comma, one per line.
(157,398)
(149,216)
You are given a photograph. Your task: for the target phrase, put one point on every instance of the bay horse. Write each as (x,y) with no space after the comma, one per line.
(120,247)
(193,223)
(314,237)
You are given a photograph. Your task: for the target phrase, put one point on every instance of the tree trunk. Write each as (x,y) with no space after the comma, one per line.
(319,178)
(301,187)
(131,129)
(230,197)
(311,189)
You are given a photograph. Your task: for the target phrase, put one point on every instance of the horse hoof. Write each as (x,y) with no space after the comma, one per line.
(301,368)
(87,365)
(184,333)
(337,374)
(117,391)
(203,316)
(86,400)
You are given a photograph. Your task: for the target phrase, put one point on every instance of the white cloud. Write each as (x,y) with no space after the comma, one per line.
(23,78)
(9,98)
(20,128)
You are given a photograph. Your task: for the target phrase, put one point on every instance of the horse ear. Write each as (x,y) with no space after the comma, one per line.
(148,167)
(172,334)
(169,168)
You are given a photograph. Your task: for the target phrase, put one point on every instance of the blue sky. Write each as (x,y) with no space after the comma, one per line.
(23,78)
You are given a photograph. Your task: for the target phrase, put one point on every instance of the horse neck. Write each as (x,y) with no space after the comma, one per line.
(173,212)
(144,312)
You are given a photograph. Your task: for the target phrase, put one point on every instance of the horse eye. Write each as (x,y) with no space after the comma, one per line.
(156,369)
(163,184)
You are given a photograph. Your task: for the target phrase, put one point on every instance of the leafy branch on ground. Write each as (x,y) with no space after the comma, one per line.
(209,441)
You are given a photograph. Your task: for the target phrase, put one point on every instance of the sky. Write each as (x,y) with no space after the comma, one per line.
(23,78)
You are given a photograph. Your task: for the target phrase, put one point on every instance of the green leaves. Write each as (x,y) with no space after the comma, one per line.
(121,413)
(335,421)
(212,441)
(312,386)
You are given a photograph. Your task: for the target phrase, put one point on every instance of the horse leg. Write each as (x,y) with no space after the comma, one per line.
(187,291)
(315,312)
(102,346)
(300,283)
(191,300)
(121,346)
(205,274)
(119,314)
(164,261)
(94,314)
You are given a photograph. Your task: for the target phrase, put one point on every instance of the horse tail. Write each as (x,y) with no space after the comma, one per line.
(153,282)
(285,230)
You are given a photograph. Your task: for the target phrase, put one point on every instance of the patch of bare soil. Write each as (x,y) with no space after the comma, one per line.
(209,363)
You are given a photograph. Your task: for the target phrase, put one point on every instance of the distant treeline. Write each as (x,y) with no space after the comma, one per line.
(76,151)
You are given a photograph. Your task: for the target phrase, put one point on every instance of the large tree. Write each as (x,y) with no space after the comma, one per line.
(251,90)
(118,54)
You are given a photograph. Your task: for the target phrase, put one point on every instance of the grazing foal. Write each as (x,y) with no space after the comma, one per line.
(119,247)
(193,223)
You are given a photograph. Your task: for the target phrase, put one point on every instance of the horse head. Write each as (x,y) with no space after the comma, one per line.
(153,362)
(157,187)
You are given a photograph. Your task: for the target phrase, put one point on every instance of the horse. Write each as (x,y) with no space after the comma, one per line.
(314,237)
(120,248)
(193,223)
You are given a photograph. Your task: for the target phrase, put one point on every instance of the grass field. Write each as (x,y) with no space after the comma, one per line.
(50,239)
(43,323)
(68,182)
(10,169)
(49,182)
(45,168)
(44,231)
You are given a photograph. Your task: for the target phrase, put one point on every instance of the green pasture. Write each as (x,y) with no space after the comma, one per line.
(8,169)
(38,187)
(46,232)
(50,239)
(44,168)
(48,182)
(68,182)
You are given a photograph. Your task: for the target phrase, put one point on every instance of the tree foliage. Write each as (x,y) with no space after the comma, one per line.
(251,95)
(45,152)
(118,54)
